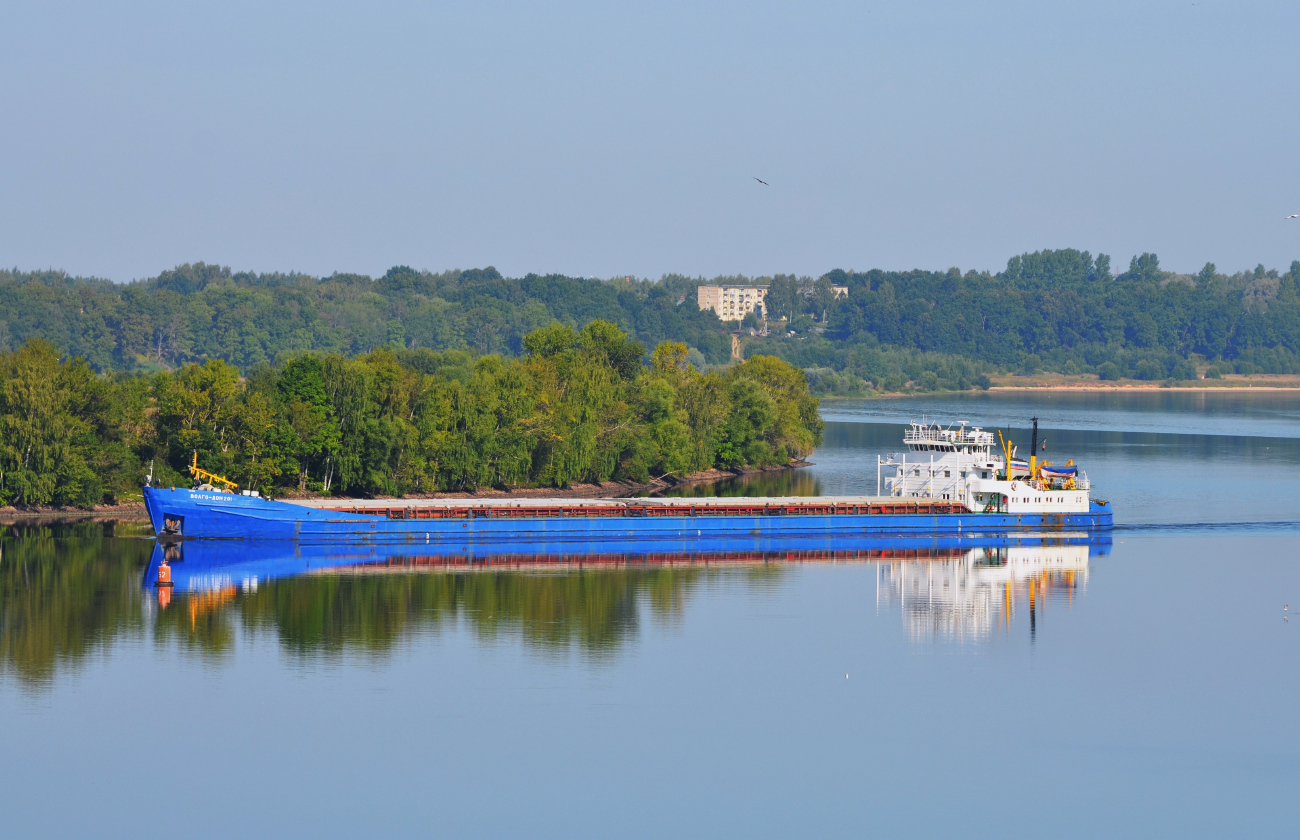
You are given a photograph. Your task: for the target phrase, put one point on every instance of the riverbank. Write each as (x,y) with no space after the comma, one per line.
(1091,382)
(134,511)
(100,514)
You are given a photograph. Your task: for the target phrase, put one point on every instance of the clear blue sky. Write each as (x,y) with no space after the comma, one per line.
(603,138)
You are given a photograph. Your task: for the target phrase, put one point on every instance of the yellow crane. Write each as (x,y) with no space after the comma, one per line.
(1006,448)
(210,478)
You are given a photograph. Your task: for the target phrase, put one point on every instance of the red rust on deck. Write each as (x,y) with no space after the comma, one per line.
(632,510)
(527,561)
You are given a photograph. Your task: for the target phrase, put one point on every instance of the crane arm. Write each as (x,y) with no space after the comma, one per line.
(210,478)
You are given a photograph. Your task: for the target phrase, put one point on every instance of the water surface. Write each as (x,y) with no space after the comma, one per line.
(1141,685)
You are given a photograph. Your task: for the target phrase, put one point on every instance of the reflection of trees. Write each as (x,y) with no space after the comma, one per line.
(594,610)
(65,592)
(69,592)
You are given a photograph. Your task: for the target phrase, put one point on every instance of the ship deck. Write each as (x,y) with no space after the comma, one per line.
(675,506)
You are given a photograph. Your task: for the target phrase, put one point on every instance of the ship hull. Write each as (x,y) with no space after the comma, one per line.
(196,514)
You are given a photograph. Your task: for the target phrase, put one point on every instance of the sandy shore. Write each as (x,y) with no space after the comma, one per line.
(1143,386)
(1231,382)
(1261,382)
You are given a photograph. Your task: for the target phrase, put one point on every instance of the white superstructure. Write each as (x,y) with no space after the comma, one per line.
(966,464)
(967,597)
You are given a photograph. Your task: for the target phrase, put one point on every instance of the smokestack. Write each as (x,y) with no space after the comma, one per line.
(1033,451)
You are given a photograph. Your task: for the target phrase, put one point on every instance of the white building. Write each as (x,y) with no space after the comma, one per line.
(733,303)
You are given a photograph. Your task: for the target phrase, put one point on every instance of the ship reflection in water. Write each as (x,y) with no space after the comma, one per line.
(969,596)
(354,597)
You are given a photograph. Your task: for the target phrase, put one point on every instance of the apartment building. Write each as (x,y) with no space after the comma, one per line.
(733,303)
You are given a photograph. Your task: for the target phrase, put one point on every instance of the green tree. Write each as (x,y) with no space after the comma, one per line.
(196,408)
(783,299)
(312,436)
(45,442)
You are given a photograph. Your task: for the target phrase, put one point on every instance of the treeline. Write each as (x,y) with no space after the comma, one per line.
(839,369)
(1060,311)
(577,406)
(199,312)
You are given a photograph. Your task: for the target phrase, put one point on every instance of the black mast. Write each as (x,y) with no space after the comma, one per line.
(1033,445)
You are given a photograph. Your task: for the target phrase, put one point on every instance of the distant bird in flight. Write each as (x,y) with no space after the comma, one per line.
(761,181)
(1294,216)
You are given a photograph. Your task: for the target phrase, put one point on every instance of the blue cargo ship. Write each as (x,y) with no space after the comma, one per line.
(213,515)
(954,483)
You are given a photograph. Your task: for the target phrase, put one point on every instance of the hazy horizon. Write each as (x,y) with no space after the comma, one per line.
(595,141)
(1117,267)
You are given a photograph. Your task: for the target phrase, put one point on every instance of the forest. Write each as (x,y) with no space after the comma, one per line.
(1058,311)
(1054,310)
(583,405)
(199,312)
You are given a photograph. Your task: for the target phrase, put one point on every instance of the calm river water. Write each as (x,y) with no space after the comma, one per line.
(1143,685)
